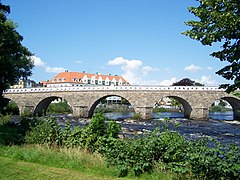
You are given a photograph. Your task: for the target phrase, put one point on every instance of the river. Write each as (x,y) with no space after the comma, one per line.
(220,125)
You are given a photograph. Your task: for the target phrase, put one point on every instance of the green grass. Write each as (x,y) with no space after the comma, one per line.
(38,162)
(12,169)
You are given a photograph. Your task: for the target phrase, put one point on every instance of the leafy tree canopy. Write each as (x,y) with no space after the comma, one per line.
(219,22)
(187,82)
(15,59)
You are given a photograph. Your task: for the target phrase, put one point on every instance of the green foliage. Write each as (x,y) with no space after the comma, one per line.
(218,21)
(45,131)
(159,109)
(10,108)
(4,119)
(218,162)
(236,93)
(106,108)
(137,116)
(13,133)
(15,59)
(59,108)
(219,109)
(141,154)
(113,129)
(160,149)
(187,82)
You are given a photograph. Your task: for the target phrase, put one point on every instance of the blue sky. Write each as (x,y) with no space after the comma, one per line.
(138,39)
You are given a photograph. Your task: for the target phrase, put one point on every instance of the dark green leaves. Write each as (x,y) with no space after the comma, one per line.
(15,61)
(219,21)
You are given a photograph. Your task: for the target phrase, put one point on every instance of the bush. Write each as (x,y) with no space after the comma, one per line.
(137,116)
(10,108)
(44,131)
(200,159)
(47,131)
(141,154)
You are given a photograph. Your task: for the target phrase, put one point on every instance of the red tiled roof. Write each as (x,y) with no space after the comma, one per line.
(69,76)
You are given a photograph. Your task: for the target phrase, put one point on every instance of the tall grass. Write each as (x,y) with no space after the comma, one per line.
(72,159)
(75,159)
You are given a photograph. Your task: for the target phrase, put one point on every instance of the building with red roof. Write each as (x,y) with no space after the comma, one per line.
(84,79)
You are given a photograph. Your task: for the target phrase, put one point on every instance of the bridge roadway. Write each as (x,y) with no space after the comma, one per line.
(196,101)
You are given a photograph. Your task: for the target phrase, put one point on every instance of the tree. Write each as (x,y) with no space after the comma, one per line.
(219,22)
(187,82)
(15,59)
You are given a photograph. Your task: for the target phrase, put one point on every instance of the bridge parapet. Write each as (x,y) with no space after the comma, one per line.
(196,101)
(111,88)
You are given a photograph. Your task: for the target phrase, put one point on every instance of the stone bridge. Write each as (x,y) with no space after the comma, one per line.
(196,101)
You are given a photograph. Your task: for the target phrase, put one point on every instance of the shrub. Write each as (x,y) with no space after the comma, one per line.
(10,108)
(45,131)
(137,116)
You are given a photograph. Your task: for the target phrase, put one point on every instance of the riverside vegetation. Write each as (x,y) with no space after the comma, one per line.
(161,152)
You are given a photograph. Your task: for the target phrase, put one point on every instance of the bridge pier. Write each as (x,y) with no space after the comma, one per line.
(236,113)
(199,113)
(80,111)
(145,112)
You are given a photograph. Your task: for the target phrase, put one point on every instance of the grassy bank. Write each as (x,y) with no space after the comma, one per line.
(14,169)
(96,151)
(41,162)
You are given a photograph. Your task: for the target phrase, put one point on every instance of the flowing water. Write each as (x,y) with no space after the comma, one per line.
(220,125)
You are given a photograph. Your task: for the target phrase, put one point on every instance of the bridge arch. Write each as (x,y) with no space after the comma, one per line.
(41,107)
(234,102)
(97,101)
(186,106)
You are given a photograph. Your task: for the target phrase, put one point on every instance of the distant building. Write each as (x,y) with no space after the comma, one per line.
(24,83)
(84,79)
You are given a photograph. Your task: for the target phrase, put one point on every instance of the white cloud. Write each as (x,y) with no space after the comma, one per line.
(166,70)
(54,69)
(207,80)
(78,62)
(132,69)
(147,69)
(192,68)
(209,68)
(38,62)
(168,82)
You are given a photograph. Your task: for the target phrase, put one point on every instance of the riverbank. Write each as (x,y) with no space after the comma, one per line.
(161,150)
(41,162)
